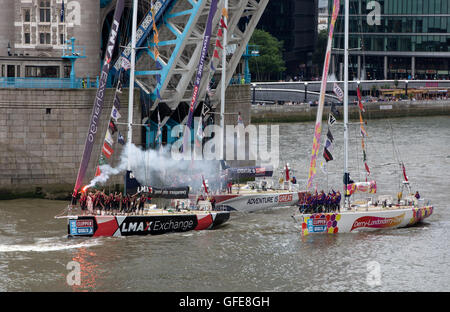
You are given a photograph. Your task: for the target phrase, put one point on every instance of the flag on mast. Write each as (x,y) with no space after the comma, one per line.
(318,127)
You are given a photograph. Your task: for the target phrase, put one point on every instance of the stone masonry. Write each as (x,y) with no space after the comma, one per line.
(42,135)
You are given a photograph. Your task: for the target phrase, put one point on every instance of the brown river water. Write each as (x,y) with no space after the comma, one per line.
(261,251)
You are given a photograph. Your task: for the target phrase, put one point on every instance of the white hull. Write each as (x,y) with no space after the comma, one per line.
(255,201)
(358,221)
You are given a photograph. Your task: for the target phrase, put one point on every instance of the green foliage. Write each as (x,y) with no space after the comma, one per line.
(269,64)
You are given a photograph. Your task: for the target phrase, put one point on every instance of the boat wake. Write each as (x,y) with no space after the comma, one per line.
(44,245)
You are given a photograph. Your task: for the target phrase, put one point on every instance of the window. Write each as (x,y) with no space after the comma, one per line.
(26,15)
(61,38)
(26,38)
(67,70)
(44,38)
(44,11)
(42,71)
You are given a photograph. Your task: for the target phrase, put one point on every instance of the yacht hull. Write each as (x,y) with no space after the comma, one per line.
(359,221)
(254,201)
(155,224)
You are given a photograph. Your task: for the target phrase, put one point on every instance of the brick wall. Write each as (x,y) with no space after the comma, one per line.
(42,135)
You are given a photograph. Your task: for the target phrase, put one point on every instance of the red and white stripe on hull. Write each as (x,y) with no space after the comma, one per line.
(358,221)
(144,225)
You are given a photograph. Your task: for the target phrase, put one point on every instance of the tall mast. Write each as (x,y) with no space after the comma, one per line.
(346,40)
(223,87)
(131,90)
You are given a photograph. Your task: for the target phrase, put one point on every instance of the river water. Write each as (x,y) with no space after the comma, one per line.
(261,251)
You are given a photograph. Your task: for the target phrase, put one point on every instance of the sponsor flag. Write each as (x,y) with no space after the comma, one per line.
(107,150)
(338,91)
(404,173)
(62,12)
(112,126)
(218,44)
(361,107)
(109,138)
(120,138)
(327,155)
(361,122)
(126,64)
(328,145)
(97,171)
(204,185)
(115,114)
(330,136)
(318,127)
(222,23)
(331,120)
(367,168)
(116,101)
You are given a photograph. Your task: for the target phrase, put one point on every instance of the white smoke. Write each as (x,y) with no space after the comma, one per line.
(158,169)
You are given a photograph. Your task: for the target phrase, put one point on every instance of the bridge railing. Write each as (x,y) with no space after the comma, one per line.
(46,83)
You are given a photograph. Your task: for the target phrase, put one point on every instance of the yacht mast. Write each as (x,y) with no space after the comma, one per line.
(223,82)
(346,40)
(131,89)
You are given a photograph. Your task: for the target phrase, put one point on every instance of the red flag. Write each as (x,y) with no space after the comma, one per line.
(216,54)
(404,172)
(107,150)
(361,107)
(204,185)
(97,171)
(218,44)
(222,23)
(219,33)
(287,172)
(367,168)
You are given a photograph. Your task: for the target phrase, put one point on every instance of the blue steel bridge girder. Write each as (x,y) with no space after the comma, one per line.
(181,34)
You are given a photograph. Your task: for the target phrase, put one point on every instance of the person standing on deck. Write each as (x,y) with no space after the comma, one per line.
(83,204)
(90,203)
(74,199)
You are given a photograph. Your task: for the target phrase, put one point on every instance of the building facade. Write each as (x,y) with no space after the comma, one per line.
(295,23)
(35,33)
(395,39)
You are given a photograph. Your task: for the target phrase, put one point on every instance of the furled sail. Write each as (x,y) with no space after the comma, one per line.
(323,88)
(198,77)
(99,97)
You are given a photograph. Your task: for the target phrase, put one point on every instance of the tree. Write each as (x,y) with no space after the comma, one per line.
(269,64)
